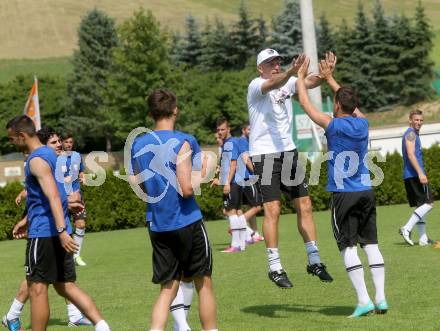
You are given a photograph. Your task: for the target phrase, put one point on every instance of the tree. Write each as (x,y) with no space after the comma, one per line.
(286,34)
(360,61)
(344,46)
(192,46)
(325,39)
(175,47)
(245,38)
(91,63)
(420,83)
(140,64)
(383,59)
(216,53)
(13,95)
(262,33)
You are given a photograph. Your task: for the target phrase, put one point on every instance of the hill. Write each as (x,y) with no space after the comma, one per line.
(42,29)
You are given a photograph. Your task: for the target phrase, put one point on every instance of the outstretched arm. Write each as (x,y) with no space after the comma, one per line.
(280,79)
(320,118)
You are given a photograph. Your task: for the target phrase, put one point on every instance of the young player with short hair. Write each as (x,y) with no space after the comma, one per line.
(417,186)
(232,191)
(353,210)
(49,258)
(162,162)
(73,170)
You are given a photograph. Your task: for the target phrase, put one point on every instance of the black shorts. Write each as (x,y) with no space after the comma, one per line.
(280,172)
(251,195)
(233,199)
(354,218)
(48,262)
(185,251)
(417,193)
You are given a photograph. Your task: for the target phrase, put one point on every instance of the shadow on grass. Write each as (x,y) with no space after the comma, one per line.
(272,310)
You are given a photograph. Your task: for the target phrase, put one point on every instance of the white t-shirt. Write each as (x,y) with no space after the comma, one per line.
(270,118)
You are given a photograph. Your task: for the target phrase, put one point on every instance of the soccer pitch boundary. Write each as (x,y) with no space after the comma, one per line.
(119,272)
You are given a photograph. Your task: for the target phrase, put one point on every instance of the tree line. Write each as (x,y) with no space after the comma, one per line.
(209,65)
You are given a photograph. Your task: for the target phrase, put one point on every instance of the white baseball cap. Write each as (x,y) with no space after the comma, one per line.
(266,54)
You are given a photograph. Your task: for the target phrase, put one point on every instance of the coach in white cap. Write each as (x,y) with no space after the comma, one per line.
(271,145)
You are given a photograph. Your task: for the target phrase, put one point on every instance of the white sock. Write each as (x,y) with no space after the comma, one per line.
(377,268)
(356,273)
(188,291)
(312,252)
(233,224)
(15,310)
(417,216)
(102,326)
(78,237)
(177,309)
(242,232)
(421,227)
(273,258)
(249,233)
(73,313)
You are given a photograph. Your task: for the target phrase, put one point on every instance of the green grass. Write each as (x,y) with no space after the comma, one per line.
(51,34)
(51,30)
(119,272)
(9,69)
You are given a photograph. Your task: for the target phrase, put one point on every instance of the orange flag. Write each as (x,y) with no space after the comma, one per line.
(32,107)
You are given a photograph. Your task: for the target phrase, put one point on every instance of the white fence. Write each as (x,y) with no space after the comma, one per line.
(390,140)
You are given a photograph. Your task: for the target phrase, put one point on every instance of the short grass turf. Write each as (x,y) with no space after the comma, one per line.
(119,271)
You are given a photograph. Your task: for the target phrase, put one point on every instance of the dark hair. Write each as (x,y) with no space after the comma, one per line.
(161,103)
(22,123)
(46,133)
(244,125)
(415,112)
(66,135)
(222,120)
(347,98)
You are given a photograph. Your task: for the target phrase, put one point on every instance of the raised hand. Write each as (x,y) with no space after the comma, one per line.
(331,59)
(304,68)
(324,69)
(297,62)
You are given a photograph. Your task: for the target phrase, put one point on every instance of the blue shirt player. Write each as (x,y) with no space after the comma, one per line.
(162,161)
(353,210)
(49,250)
(73,168)
(417,187)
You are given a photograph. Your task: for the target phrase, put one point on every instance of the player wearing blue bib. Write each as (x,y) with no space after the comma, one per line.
(161,161)
(353,204)
(11,320)
(251,194)
(232,191)
(73,171)
(417,187)
(49,258)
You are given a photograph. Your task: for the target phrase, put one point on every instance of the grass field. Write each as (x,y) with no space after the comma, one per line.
(47,30)
(40,67)
(119,272)
(42,29)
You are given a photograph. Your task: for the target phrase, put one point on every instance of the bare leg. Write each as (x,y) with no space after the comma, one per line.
(80,299)
(159,314)
(39,305)
(207,305)
(306,226)
(270,224)
(23,292)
